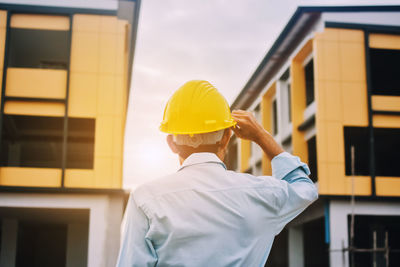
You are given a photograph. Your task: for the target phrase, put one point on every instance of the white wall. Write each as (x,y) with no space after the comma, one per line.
(105,218)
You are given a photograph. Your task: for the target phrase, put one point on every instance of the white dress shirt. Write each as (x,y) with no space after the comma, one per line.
(205,215)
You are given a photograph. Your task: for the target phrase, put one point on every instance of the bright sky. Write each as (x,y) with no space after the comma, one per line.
(221,41)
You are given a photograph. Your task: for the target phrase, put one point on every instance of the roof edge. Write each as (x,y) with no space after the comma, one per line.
(292,21)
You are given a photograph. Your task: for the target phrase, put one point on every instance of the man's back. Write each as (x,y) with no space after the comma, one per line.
(204,215)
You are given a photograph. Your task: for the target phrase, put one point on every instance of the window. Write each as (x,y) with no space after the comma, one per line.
(316,251)
(387,144)
(312,158)
(385,71)
(285,94)
(274,118)
(309,77)
(32,141)
(47,49)
(364,228)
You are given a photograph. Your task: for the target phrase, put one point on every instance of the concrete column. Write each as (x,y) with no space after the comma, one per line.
(296,250)
(114,218)
(77,245)
(9,243)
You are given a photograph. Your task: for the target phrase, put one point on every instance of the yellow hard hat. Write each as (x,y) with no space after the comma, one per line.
(196,107)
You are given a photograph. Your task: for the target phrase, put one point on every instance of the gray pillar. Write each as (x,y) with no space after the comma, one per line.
(9,243)
(296,251)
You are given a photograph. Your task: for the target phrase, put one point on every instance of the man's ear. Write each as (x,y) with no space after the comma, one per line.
(171,144)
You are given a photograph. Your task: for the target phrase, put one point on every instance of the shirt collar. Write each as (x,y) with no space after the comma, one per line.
(202,157)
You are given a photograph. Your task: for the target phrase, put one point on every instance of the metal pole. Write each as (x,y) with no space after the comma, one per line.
(374,249)
(352,208)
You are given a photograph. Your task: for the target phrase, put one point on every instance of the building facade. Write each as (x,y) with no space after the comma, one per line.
(328,90)
(64,93)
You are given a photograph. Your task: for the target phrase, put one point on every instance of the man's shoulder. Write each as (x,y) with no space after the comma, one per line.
(156,188)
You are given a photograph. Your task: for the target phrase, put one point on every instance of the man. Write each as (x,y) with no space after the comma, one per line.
(205,215)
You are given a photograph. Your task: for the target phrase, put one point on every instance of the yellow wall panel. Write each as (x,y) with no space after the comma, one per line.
(106,95)
(108,24)
(335,140)
(326,60)
(41,83)
(352,58)
(117,173)
(86,23)
(42,22)
(385,121)
(104,136)
(389,103)
(266,108)
(79,178)
(2,46)
(120,96)
(329,34)
(103,172)
(34,108)
(354,99)
(123,26)
(387,186)
(333,101)
(82,95)
(351,36)
(85,52)
(298,106)
(341,99)
(384,41)
(118,136)
(245,153)
(108,53)
(3,19)
(35,177)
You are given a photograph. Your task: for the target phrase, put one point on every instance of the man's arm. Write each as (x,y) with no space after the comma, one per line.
(298,191)
(136,249)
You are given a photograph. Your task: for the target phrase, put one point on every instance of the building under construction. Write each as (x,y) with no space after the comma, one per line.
(64,94)
(329,91)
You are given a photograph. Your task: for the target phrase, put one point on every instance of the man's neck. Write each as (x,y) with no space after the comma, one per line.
(220,154)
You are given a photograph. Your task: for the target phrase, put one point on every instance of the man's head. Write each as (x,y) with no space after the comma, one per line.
(198,119)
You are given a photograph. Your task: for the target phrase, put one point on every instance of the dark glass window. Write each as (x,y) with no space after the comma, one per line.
(312,158)
(385,71)
(316,251)
(274,118)
(32,141)
(41,244)
(364,228)
(279,254)
(46,49)
(309,77)
(387,145)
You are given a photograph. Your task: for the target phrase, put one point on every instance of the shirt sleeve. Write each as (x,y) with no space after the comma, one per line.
(136,249)
(298,191)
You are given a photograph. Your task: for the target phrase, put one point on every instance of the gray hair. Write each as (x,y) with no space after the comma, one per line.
(196,140)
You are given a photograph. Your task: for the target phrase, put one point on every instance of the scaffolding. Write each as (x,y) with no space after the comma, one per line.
(351,248)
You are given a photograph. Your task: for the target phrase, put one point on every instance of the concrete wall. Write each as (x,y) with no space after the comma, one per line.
(105,218)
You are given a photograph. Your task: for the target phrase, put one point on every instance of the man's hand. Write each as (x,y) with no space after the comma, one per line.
(248,128)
